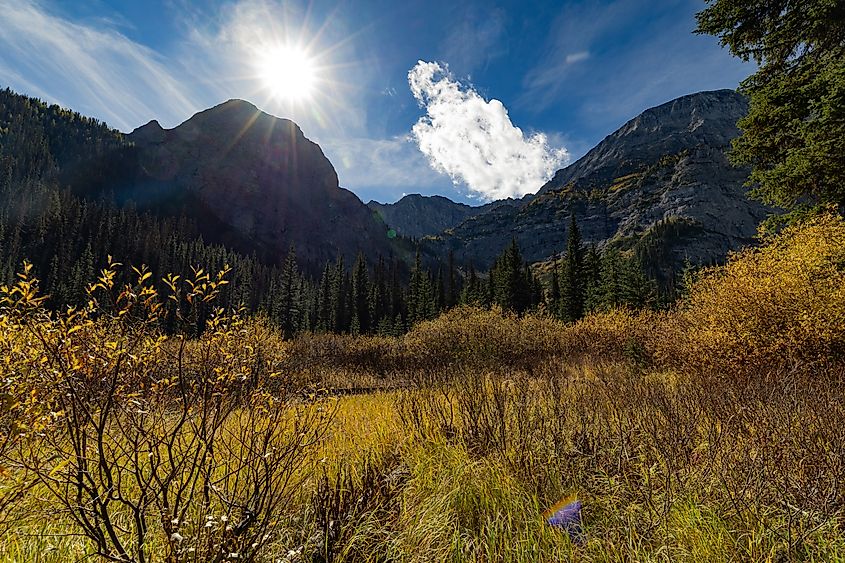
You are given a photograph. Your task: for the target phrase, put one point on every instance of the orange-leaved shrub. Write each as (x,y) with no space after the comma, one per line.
(776,307)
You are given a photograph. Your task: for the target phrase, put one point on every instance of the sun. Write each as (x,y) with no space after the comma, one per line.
(289,73)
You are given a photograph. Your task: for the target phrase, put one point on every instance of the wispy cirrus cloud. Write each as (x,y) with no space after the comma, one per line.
(573,58)
(612,60)
(475,38)
(116,79)
(474,141)
(386,167)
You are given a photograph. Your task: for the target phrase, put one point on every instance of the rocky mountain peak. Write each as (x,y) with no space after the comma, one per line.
(151,133)
(253,180)
(705,118)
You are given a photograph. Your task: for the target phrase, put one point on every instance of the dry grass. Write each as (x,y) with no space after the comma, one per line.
(712,432)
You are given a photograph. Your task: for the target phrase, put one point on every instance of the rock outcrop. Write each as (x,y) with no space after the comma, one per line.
(661,184)
(251,180)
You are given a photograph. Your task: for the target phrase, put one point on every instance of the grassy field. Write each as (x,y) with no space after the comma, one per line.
(710,432)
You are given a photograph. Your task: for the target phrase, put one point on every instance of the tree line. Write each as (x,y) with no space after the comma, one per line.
(68,238)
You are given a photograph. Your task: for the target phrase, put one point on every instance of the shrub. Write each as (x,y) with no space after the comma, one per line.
(493,339)
(770,309)
(154,445)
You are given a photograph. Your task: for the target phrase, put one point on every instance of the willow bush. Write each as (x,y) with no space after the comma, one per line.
(154,444)
(772,309)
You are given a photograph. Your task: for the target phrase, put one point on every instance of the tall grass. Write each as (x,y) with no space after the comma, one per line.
(711,432)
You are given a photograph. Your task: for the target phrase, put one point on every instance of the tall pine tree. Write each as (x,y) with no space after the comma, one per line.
(572,277)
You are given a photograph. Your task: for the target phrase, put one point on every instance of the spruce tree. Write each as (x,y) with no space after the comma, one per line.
(360,322)
(452,291)
(288,312)
(554,290)
(572,277)
(324,301)
(510,283)
(420,294)
(592,279)
(794,133)
(638,290)
(471,293)
(378,299)
(609,294)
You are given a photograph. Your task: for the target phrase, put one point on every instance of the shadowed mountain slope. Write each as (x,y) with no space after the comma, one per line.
(253,182)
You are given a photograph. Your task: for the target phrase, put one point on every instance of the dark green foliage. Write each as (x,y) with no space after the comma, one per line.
(654,248)
(421,295)
(359,302)
(474,291)
(452,290)
(573,287)
(638,290)
(37,139)
(592,277)
(287,306)
(379,301)
(794,133)
(554,288)
(609,292)
(622,282)
(511,281)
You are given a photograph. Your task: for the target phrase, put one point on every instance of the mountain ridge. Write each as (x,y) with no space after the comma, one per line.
(416,215)
(254,179)
(628,189)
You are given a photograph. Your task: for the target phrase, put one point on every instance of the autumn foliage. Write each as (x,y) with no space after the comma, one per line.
(159,427)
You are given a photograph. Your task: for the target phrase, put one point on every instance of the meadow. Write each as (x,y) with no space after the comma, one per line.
(711,431)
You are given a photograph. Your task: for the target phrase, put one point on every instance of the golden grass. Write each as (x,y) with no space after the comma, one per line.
(711,432)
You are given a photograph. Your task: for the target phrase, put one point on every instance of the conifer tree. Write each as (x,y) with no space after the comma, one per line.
(610,286)
(378,299)
(471,294)
(452,291)
(638,290)
(572,277)
(537,296)
(440,292)
(288,312)
(554,290)
(592,278)
(360,322)
(324,301)
(794,133)
(420,294)
(510,283)
(338,297)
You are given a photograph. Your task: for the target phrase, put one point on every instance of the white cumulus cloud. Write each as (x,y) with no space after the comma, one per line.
(473,140)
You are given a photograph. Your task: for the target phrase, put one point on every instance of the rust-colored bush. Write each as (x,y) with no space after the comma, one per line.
(780,306)
(483,338)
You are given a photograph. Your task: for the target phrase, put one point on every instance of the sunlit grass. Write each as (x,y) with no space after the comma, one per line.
(677,452)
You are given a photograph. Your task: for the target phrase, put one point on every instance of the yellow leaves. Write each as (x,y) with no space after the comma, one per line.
(781,302)
(143,274)
(59,467)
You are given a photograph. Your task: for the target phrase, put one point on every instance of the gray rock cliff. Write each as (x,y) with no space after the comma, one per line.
(661,184)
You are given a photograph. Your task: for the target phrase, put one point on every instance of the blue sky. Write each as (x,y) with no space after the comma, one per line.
(473,100)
